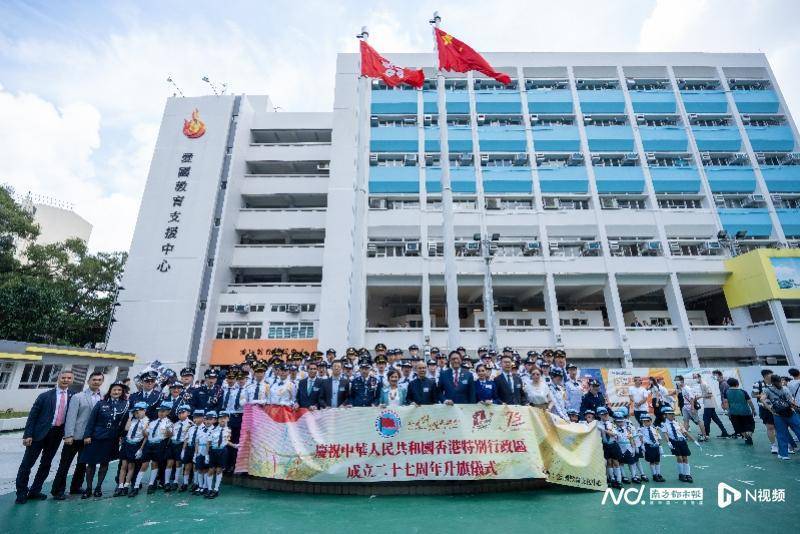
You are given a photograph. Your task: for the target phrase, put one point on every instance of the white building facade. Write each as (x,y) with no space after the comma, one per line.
(596,200)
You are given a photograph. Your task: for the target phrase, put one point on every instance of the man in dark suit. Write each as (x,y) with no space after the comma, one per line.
(43,433)
(456,385)
(422,390)
(335,391)
(308,389)
(508,385)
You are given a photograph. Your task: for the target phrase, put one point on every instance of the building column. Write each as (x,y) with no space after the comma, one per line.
(791,347)
(551,308)
(614,308)
(677,312)
(741,316)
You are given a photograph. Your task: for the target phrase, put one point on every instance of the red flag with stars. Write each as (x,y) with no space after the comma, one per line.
(375,65)
(456,56)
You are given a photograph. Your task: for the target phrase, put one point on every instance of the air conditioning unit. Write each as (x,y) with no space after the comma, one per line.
(292,308)
(378,203)
(323,166)
(651,156)
(653,245)
(576,158)
(674,247)
(520,160)
(373,120)
(242,308)
(550,203)
(587,119)
(554,245)
(745,119)
(465,158)
(373,160)
(609,203)
(427,120)
(372,250)
(472,248)
(484,158)
(719,200)
(429,159)
(531,248)
(592,246)
(640,118)
(613,245)
(761,157)
(412,248)
(433,248)
(776,198)
(493,203)
(711,245)
(631,157)
(739,158)
(580,83)
(410,120)
(596,160)
(792,158)
(705,156)
(755,199)
(481,119)
(534,119)
(410,160)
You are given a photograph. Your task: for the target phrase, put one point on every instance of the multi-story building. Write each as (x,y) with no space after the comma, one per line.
(597,200)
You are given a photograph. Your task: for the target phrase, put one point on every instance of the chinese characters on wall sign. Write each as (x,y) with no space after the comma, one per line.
(174,217)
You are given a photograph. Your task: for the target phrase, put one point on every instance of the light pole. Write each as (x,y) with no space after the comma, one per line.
(488,245)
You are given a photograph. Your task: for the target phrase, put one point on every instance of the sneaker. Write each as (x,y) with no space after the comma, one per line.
(792,451)
(783,457)
(98,492)
(773,449)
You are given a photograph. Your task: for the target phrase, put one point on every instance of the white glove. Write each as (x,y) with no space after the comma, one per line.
(138,454)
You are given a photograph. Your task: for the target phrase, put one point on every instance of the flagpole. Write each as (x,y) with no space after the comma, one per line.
(450,269)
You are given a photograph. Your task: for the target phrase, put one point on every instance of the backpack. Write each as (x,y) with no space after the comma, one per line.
(780,406)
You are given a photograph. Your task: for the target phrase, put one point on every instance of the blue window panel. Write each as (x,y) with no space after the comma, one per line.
(394,101)
(770,138)
(394,179)
(563,179)
(619,179)
(705,101)
(550,101)
(459,139)
(605,101)
(790,222)
(455,101)
(502,138)
(782,179)
(675,179)
(731,179)
(756,101)
(556,138)
(393,139)
(717,138)
(609,138)
(507,180)
(653,101)
(664,139)
(462,179)
(497,102)
(755,221)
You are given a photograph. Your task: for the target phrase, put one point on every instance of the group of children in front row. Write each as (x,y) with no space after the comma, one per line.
(625,444)
(197,445)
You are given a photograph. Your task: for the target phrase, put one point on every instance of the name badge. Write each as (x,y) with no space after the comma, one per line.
(425,390)
(341,389)
(464,382)
(489,386)
(314,388)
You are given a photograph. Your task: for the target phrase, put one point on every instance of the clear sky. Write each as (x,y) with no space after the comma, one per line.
(83,83)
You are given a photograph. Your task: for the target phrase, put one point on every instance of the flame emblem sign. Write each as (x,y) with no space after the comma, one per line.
(194,128)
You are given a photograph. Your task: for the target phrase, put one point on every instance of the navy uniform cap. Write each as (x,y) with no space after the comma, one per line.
(589,411)
(667,409)
(364,365)
(140,406)
(184,408)
(573,411)
(224,413)
(646,416)
(211,414)
(431,362)
(571,366)
(601,410)
(165,406)
(413,347)
(176,385)
(199,412)
(187,372)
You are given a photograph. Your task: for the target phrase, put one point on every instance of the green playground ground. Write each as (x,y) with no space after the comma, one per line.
(549,510)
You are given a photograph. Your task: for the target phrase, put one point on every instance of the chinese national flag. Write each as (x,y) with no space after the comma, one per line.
(375,65)
(456,56)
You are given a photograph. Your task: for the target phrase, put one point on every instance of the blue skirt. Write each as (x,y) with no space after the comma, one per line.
(99,451)
(128,451)
(216,458)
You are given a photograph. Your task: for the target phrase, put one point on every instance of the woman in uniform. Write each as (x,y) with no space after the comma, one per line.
(104,428)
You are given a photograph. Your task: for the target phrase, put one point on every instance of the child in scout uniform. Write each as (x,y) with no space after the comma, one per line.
(611,450)
(155,448)
(573,415)
(201,457)
(651,439)
(678,443)
(219,438)
(180,431)
(626,446)
(131,449)
(588,416)
(187,454)
(637,445)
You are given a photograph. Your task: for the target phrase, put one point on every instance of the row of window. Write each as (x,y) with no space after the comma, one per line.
(254,308)
(276,330)
(584,84)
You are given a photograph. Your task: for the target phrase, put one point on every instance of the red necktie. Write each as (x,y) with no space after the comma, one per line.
(61,410)
(455,378)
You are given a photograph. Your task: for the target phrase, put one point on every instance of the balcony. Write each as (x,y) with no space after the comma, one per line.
(459,139)
(610,138)
(394,139)
(276,256)
(276,185)
(563,179)
(782,179)
(664,139)
(619,179)
(717,138)
(394,179)
(731,179)
(675,179)
(655,337)
(589,337)
(790,222)
(457,102)
(705,101)
(498,101)
(602,101)
(502,139)
(653,101)
(268,219)
(394,101)
(550,101)
(556,138)
(756,222)
(507,180)
(756,101)
(719,336)
(524,337)
(770,138)
(462,179)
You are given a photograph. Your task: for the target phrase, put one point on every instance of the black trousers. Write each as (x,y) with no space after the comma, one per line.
(68,453)
(46,448)
(235,424)
(710,414)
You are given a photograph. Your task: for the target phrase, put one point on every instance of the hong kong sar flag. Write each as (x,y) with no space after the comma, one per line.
(375,65)
(456,56)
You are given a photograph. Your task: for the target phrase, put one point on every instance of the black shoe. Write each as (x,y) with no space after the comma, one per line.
(625,480)
(644,478)
(59,497)
(39,496)
(98,492)
(213,494)
(151,489)
(688,478)
(117,492)
(21,499)
(86,494)
(635,480)
(748,441)
(76,492)
(167,488)
(193,488)
(725,436)
(614,484)
(204,492)
(183,488)
(133,493)
(125,490)
(682,478)
(658,478)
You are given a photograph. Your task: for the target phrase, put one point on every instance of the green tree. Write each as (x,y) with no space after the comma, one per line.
(60,293)
(16,225)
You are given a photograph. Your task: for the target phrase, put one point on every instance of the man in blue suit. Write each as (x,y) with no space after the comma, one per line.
(43,433)
(308,389)
(421,390)
(456,385)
